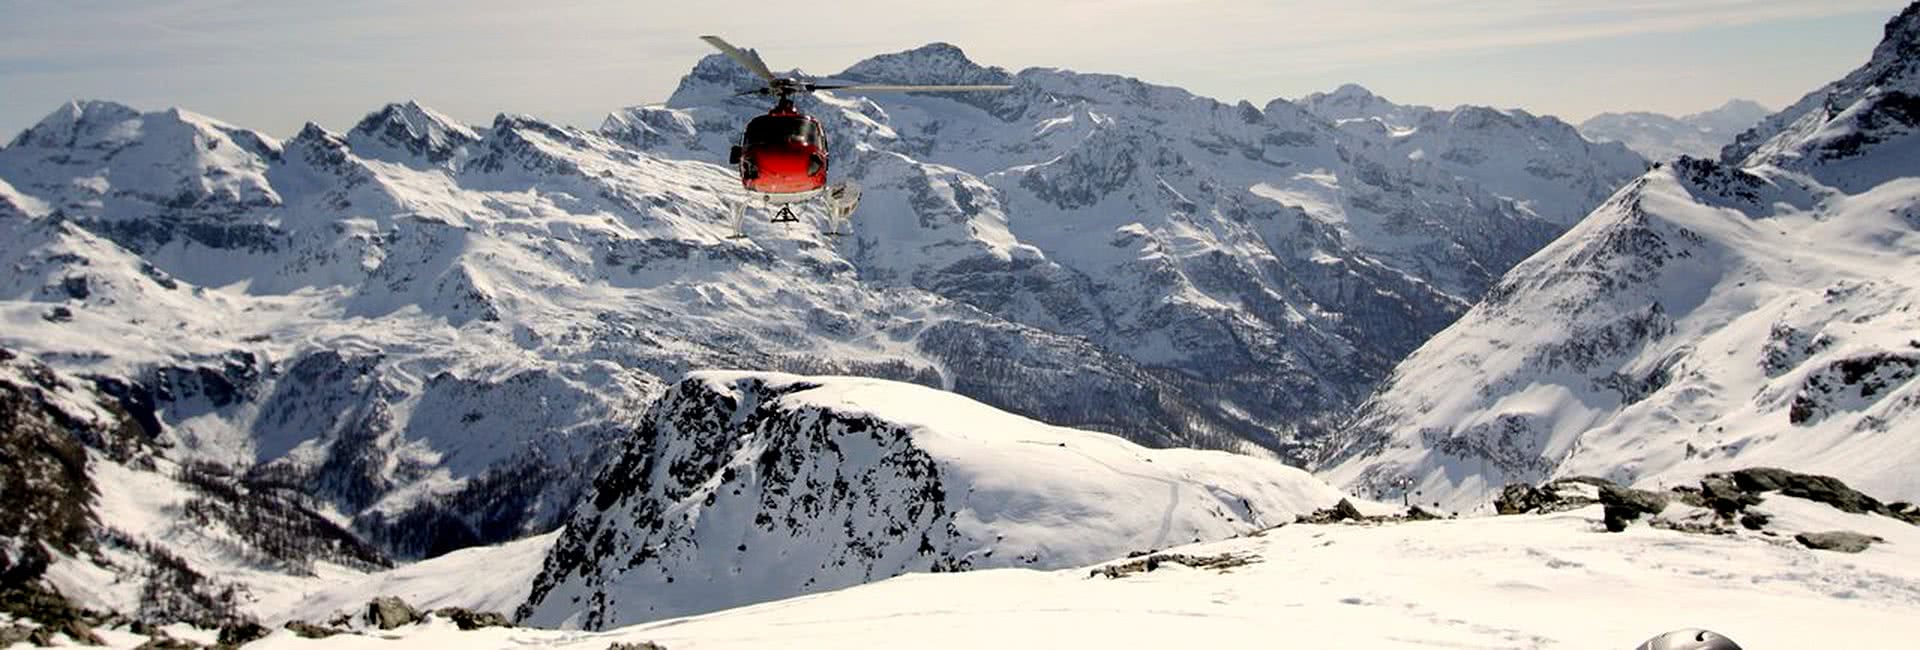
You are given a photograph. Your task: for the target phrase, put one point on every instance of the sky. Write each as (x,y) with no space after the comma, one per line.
(274,65)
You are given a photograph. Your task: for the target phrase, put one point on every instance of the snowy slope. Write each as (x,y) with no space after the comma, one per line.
(483,579)
(1664,137)
(1705,317)
(1512,582)
(744,487)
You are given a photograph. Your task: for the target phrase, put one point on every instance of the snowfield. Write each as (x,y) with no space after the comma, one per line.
(1525,581)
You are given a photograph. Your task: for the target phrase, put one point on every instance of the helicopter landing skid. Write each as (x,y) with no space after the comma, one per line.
(841,200)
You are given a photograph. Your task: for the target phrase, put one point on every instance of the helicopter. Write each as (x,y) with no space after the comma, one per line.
(782,156)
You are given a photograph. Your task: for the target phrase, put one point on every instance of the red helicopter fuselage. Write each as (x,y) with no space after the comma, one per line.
(783,155)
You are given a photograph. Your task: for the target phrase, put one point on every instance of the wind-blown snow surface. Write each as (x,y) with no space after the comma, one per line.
(1664,137)
(1509,582)
(744,487)
(1710,315)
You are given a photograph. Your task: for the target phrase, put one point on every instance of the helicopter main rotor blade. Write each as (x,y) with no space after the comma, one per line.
(897,88)
(749,60)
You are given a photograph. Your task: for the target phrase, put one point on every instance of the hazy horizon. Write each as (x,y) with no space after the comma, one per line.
(275,66)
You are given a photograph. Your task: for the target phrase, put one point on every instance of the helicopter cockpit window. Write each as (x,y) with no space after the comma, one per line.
(776,129)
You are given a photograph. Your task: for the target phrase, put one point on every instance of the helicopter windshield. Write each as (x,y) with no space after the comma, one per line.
(774,129)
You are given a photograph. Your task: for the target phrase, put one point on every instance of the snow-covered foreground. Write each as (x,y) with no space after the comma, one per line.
(1504,582)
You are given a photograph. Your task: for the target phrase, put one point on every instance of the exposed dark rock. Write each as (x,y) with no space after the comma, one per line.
(1863,379)
(1554,496)
(1342,511)
(1843,541)
(643,645)
(1624,505)
(1690,495)
(1416,513)
(1222,563)
(1730,495)
(159,640)
(234,635)
(388,612)
(12,634)
(1823,489)
(310,631)
(1516,498)
(1725,496)
(468,619)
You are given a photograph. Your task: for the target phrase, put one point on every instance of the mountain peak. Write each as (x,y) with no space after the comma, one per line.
(1348,94)
(417,119)
(61,126)
(410,127)
(1902,36)
(1883,87)
(1353,101)
(933,63)
(1352,90)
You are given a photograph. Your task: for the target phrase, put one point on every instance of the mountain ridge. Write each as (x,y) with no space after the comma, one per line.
(1711,313)
(1662,137)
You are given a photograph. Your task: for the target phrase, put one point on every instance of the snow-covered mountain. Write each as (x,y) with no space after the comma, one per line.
(1542,164)
(1752,310)
(1262,253)
(1353,103)
(1664,137)
(742,487)
(439,331)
